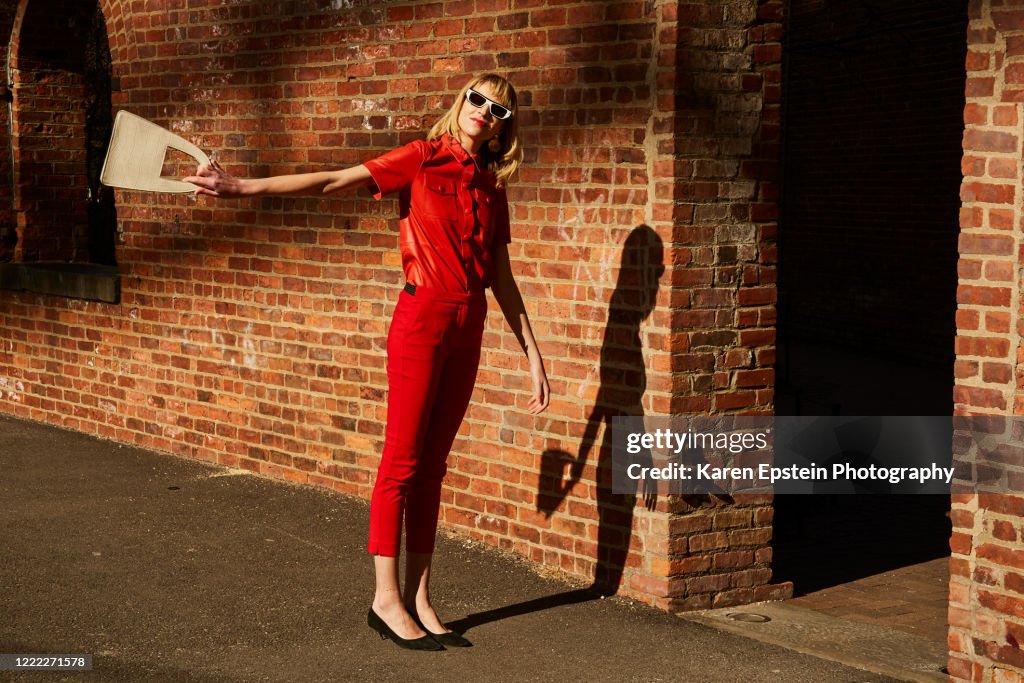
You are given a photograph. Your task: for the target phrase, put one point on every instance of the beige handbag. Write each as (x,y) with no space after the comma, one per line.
(136,154)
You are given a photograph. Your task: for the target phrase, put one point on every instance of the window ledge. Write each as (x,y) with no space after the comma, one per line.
(75,280)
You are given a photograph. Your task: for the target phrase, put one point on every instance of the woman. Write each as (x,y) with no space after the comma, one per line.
(454,236)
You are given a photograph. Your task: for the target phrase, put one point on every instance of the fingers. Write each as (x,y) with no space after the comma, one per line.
(213,168)
(207,169)
(209,178)
(534,405)
(541,398)
(201,182)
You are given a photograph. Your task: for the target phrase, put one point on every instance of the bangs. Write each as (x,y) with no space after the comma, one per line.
(504,94)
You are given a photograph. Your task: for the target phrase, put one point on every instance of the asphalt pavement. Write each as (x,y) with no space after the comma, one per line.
(167,569)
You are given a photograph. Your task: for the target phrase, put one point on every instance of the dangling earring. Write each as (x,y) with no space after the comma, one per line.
(494,144)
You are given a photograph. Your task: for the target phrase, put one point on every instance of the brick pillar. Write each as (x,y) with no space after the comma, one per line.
(986,593)
(718,129)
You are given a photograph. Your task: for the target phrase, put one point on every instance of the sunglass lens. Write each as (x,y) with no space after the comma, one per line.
(476,99)
(499,111)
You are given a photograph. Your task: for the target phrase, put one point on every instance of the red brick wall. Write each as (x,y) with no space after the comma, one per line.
(252,333)
(986,611)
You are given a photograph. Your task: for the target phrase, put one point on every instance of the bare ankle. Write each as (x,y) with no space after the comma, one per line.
(418,603)
(386,597)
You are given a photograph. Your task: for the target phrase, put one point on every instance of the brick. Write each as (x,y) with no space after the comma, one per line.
(979,397)
(705,542)
(1002,604)
(736,596)
(736,559)
(1002,504)
(983,296)
(727,519)
(980,86)
(990,141)
(1004,531)
(711,583)
(1004,116)
(1002,168)
(967,320)
(1007,557)
(781,591)
(998,373)
(988,193)
(1000,219)
(961,544)
(960,668)
(1012,20)
(755,378)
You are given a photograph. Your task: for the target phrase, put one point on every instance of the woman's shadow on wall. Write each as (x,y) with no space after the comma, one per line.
(623,381)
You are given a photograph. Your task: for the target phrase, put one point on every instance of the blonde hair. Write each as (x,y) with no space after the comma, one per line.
(504,162)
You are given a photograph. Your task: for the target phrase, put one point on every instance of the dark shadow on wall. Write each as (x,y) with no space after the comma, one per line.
(623,377)
(623,383)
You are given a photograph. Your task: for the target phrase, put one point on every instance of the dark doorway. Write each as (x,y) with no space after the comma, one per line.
(873,112)
(61,123)
(60,115)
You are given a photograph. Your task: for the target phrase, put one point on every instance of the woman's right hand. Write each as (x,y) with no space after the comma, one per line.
(213,180)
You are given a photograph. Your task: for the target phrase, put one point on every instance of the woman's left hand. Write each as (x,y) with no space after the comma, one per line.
(541,391)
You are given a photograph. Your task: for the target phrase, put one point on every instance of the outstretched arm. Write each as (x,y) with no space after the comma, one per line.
(213,180)
(506,291)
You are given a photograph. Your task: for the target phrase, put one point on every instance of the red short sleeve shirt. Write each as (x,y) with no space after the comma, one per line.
(452,213)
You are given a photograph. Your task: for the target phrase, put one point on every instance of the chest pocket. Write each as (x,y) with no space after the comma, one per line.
(440,198)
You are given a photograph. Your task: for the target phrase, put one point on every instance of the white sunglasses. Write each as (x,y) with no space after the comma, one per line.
(497,111)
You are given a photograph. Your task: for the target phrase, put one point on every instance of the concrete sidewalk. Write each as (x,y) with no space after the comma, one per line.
(166,569)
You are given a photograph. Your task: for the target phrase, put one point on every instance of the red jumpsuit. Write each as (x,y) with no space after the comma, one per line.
(452,217)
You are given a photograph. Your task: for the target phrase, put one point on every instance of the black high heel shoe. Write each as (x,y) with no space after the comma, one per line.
(448,639)
(426,642)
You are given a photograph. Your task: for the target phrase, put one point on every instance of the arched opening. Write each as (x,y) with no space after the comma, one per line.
(59,69)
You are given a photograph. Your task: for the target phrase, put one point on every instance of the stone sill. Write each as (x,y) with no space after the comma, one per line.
(89,281)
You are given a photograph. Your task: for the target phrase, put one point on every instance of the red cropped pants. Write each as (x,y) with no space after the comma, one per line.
(433,355)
